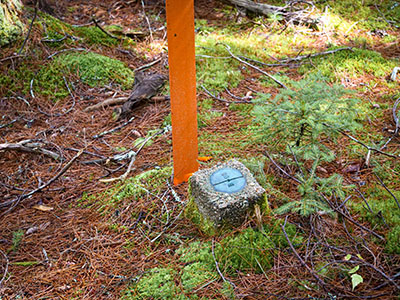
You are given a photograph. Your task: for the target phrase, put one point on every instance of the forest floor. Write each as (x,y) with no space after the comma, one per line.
(83,238)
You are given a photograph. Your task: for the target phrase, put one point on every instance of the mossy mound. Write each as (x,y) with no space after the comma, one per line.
(97,70)
(91,68)
(250,250)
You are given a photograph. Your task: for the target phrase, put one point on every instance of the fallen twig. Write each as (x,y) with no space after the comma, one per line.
(319,280)
(5,269)
(364,145)
(282,170)
(146,66)
(252,66)
(72,96)
(132,155)
(66,50)
(147,20)
(387,189)
(311,55)
(217,266)
(117,101)
(29,146)
(103,30)
(351,219)
(222,99)
(114,129)
(30,27)
(11,57)
(8,124)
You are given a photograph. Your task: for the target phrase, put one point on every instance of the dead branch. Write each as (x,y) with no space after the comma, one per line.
(221,99)
(387,189)
(103,30)
(312,272)
(30,28)
(29,146)
(350,219)
(217,266)
(117,101)
(105,103)
(146,66)
(311,55)
(252,66)
(289,12)
(5,269)
(114,129)
(66,50)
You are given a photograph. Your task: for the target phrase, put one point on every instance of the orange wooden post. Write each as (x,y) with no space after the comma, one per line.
(182,78)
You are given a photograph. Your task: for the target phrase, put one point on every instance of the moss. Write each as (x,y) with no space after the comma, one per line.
(364,12)
(249,250)
(96,70)
(11,27)
(133,189)
(350,64)
(195,275)
(92,35)
(158,284)
(193,214)
(254,250)
(91,68)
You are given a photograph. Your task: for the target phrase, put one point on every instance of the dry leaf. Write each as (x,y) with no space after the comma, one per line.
(43,207)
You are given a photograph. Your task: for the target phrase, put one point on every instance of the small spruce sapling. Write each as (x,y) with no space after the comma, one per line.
(304,115)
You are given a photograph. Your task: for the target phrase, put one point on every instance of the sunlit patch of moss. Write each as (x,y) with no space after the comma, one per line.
(54,29)
(195,274)
(253,249)
(206,104)
(384,215)
(350,64)
(364,12)
(16,240)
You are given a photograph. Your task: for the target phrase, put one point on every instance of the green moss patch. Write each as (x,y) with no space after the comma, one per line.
(91,68)
(132,189)
(158,283)
(249,250)
(97,70)
(351,64)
